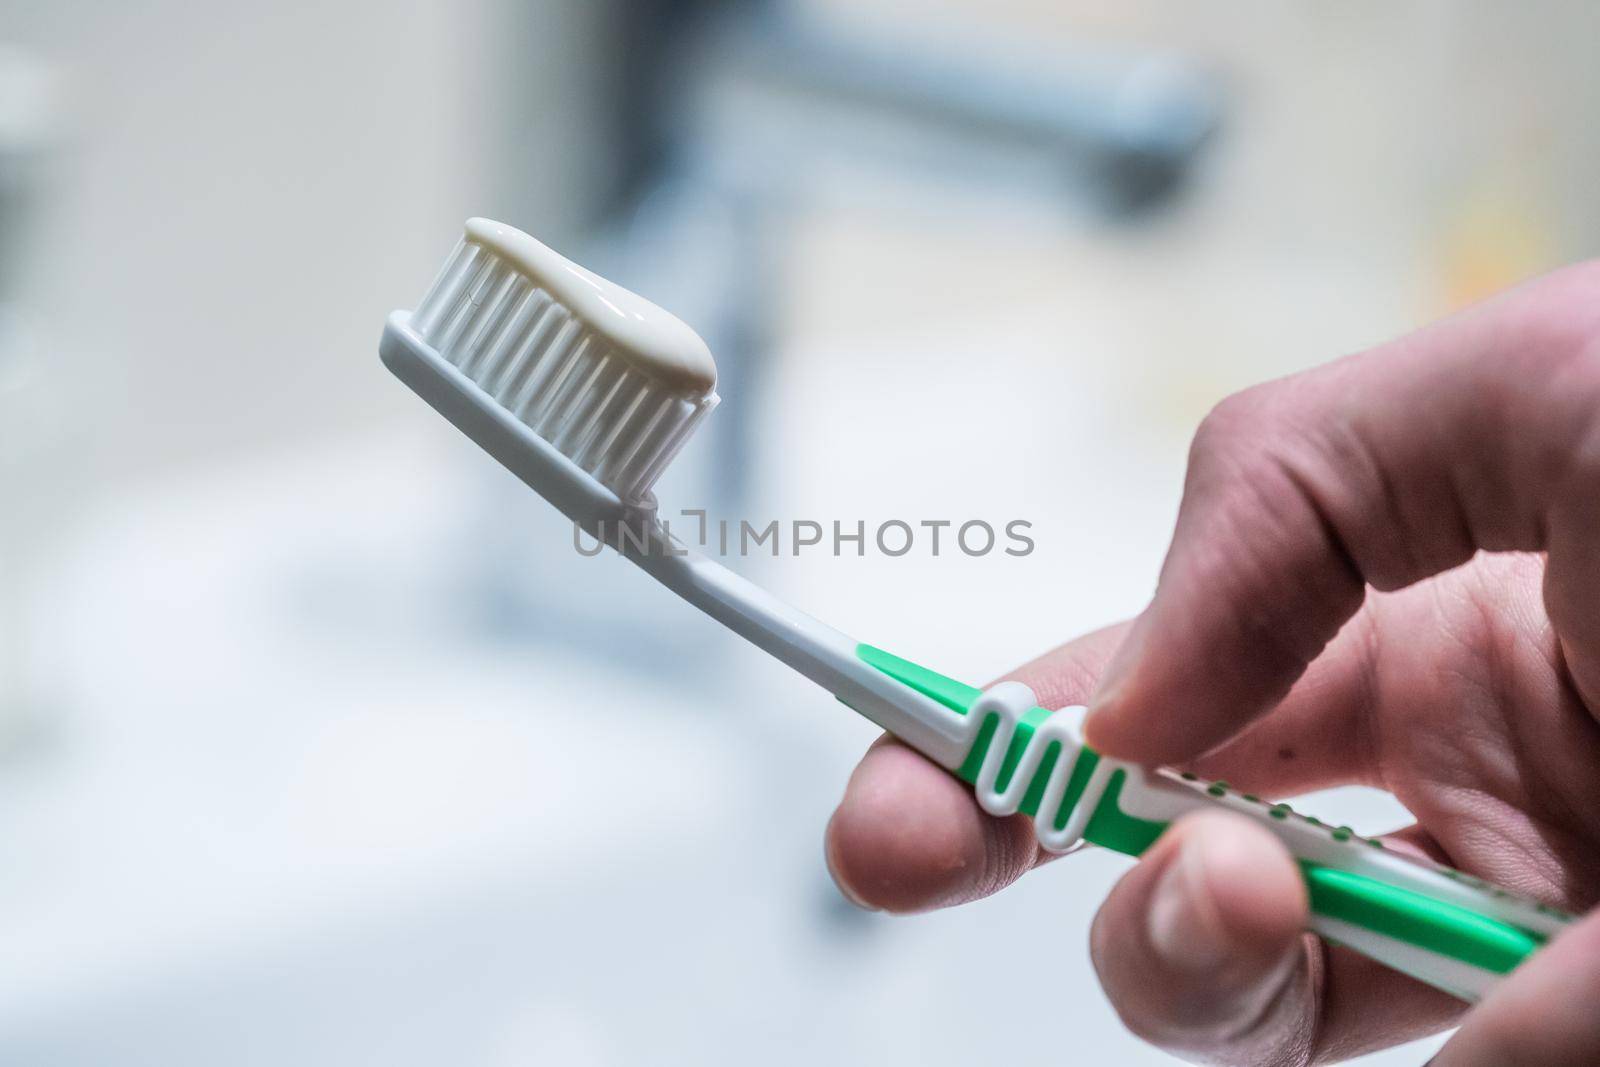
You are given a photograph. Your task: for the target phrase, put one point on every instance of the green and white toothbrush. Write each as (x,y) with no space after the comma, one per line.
(585,392)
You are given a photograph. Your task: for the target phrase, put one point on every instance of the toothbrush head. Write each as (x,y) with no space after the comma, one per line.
(583,389)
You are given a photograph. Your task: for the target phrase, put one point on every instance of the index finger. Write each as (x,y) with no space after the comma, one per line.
(1481,432)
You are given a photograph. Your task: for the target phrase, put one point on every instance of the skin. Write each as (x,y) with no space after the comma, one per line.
(1385,571)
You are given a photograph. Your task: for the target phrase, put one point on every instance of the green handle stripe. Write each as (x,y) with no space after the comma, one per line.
(1414,918)
(1404,915)
(957,696)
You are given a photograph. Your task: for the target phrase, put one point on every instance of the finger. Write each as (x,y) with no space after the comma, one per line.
(1066,675)
(908,836)
(1319,736)
(1364,1006)
(1201,951)
(1543,1014)
(1482,432)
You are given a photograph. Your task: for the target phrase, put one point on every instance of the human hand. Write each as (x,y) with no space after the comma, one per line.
(1326,566)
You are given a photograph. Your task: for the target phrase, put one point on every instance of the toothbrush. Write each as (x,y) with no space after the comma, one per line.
(586,392)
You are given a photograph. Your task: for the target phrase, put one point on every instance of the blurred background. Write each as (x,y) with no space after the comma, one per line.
(302,699)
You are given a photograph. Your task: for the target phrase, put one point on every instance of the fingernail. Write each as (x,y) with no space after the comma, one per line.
(1184,929)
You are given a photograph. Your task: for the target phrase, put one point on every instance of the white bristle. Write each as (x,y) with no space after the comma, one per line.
(562,379)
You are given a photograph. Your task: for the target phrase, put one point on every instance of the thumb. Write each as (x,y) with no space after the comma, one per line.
(1200,947)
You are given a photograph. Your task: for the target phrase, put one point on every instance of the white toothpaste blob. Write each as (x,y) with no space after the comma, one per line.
(654,341)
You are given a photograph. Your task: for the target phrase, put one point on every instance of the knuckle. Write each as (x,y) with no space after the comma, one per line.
(1252,438)
(1237,445)
(1584,277)
(1544,389)
(1554,332)
(1234,421)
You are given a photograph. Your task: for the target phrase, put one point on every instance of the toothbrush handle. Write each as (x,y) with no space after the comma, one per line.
(1448,929)
(1440,926)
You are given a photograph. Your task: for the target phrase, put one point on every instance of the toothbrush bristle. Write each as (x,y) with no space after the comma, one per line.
(562,378)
